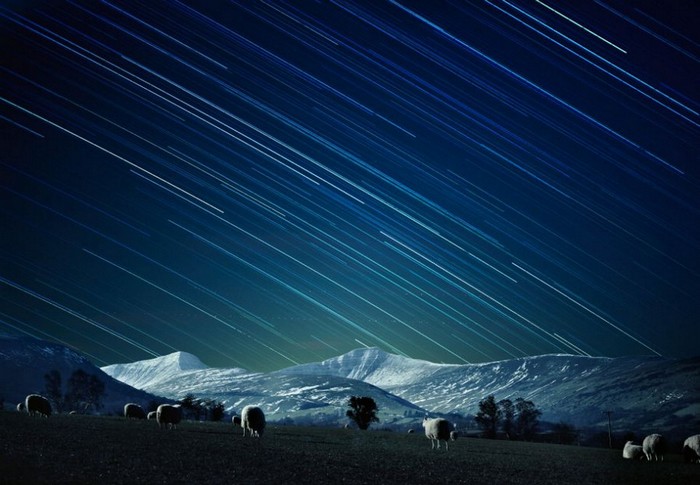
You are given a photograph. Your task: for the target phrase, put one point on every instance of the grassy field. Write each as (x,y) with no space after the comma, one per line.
(93,449)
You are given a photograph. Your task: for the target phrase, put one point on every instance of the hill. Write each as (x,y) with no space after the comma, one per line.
(24,362)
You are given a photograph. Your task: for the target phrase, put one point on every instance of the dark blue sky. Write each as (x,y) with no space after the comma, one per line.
(268,183)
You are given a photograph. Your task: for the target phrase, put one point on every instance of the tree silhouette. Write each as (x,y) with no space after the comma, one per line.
(565,433)
(207,409)
(188,402)
(488,416)
(52,388)
(527,420)
(363,411)
(84,391)
(192,406)
(508,414)
(216,410)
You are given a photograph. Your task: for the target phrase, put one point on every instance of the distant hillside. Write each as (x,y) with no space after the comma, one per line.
(24,362)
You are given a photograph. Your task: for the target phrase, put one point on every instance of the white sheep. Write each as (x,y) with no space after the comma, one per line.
(691,449)
(632,451)
(132,410)
(253,419)
(236,420)
(437,429)
(37,405)
(654,447)
(151,415)
(168,414)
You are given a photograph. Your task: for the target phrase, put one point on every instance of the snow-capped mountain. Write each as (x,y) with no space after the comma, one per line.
(304,398)
(148,373)
(25,361)
(643,393)
(375,367)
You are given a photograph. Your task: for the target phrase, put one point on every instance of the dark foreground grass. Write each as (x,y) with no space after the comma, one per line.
(92,449)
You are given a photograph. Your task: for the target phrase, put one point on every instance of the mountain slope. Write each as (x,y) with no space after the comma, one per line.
(24,362)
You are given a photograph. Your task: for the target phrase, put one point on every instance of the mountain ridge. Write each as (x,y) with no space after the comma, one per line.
(371,365)
(643,392)
(151,370)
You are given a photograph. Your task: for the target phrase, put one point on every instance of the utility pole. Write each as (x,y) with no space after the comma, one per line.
(609,428)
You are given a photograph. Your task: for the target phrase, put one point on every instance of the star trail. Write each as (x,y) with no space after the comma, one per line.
(266,183)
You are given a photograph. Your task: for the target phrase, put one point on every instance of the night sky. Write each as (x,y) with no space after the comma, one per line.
(269,183)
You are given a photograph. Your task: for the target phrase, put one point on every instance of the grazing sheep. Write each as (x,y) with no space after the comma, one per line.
(411,430)
(236,420)
(691,449)
(132,410)
(37,405)
(632,451)
(152,415)
(454,435)
(169,415)
(20,407)
(654,447)
(253,419)
(436,429)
